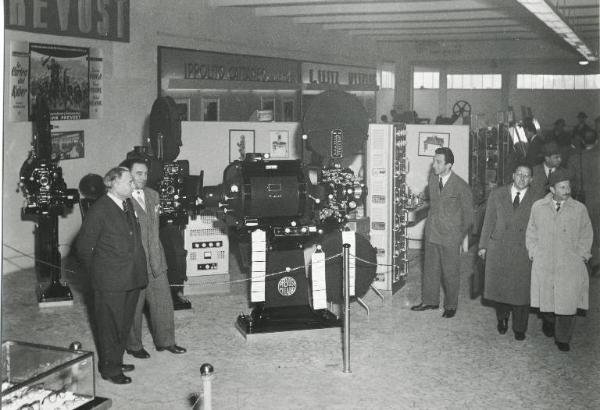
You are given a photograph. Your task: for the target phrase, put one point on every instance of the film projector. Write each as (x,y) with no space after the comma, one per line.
(46,197)
(294,214)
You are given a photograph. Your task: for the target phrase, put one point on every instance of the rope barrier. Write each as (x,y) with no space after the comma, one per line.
(228,282)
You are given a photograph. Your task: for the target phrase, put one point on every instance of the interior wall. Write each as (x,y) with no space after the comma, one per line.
(547,105)
(206,145)
(130,88)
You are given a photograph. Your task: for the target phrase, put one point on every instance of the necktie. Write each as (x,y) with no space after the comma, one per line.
(516,200)
(128,209)
(441,185)
(557,206)
(140,198)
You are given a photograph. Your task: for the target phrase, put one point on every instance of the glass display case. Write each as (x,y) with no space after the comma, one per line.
(45,377)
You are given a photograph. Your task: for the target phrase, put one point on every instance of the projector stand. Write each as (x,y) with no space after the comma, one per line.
(285,318)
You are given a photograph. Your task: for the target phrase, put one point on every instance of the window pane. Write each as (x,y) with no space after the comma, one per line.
(592,82)
(569,82)
(579,82)
(418,79)
(497,81)
(467,81)
(487,81)
(537,81)
(548,81)
(436,80)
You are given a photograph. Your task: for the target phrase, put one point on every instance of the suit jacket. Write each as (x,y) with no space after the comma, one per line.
(507,265)
(535,153)
(450,211)
(149,225)
(111,252)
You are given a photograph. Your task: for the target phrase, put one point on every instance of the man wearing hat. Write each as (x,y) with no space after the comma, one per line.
(558,240)
(541,172)
(579,130)
(585,166)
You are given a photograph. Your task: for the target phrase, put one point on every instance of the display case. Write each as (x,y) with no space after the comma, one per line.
(388,203)
(44,377)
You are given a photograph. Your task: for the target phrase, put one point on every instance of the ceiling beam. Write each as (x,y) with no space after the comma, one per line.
(427,31)
(422,24)
(447,15)
(367,8)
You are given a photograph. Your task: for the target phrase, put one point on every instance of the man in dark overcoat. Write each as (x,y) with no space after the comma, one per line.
(448,222)
(110,247)
(502,246)
(541,172)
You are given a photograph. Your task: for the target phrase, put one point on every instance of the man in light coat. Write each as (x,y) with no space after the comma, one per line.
(157,294)
(558,239)
(502,245)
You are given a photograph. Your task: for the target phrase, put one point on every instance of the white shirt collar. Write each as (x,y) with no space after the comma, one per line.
(514,190)
(116,200)
(445,179)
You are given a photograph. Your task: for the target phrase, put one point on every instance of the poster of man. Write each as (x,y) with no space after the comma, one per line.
(60,74)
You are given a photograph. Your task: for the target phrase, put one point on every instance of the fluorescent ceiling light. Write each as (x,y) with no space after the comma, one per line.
(554,20)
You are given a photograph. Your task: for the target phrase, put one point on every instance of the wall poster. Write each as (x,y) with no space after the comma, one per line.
(67,145)
(430,141)
(60,74)
(18,108)
(241,142)
(279,147)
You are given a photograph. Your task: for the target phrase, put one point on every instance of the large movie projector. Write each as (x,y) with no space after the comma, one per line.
(293,213)
(46,197)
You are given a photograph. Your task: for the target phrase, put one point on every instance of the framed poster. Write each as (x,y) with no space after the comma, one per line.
(68,145)
(280,144)
(241,142)
(60,74)
(430,141)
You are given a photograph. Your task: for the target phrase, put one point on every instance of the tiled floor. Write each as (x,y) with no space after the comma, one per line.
(399,359)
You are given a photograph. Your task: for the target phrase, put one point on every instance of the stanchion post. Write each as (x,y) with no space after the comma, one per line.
(347,308)
(206,371)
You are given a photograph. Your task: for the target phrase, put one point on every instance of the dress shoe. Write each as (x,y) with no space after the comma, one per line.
(502,326)
(421,307)
(448,313)
(181,303)
(519,335)
(173,349)
(127,367)
(563,347)
(548,329)
(118,379)
(139,354)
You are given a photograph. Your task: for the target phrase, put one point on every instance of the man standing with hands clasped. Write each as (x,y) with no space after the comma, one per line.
(449,220)
(502,245)
(110,247)
(157,294)
(558,239)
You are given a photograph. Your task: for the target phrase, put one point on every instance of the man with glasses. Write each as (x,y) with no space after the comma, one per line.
(502,246)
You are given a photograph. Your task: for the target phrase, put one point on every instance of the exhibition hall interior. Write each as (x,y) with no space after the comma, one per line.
(300,204)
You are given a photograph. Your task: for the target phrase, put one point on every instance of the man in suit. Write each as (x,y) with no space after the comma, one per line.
(535,145)
(558,240)
(157,294)
(110,247)
(502,246)
(541,172)
(579,131)
(449,220)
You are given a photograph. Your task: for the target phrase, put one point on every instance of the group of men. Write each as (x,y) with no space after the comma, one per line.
(119,246)
(536,240)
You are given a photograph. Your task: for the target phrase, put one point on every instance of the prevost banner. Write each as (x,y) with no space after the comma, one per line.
(332,75)
(183,64)
(98,19)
